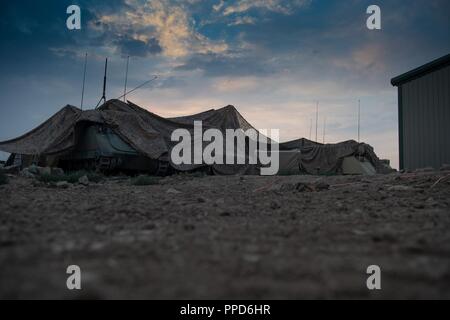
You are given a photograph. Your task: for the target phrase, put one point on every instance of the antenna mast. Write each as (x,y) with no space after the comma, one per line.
(359,120)
(317,117)
(310,128)
(126,81)
(324,128)
(103,98)
(84,80)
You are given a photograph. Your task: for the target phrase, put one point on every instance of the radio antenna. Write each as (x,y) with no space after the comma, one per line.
(103,98)
(126,80)
(84,81)
(138,87)
(317,118)
(310,128)
(359,121)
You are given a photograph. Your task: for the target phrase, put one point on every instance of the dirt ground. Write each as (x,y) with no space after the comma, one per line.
(228,237)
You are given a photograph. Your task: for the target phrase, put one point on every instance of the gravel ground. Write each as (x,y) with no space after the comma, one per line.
(228,237)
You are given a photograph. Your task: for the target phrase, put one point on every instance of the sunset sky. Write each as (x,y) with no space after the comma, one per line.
(271,59)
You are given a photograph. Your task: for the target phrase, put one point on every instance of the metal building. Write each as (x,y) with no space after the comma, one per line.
(424,115)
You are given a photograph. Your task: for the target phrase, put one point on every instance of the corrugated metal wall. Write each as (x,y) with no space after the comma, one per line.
(426,120)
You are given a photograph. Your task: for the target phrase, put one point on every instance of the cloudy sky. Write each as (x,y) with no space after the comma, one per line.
(272,59)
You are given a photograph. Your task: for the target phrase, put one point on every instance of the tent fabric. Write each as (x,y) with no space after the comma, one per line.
(143,130)
(51,136)
(150,135)
(316,158)
(298,144)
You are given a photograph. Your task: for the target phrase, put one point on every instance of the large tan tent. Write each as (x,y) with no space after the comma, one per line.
(137,139)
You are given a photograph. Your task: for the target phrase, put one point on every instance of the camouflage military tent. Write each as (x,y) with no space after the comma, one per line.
(149,135)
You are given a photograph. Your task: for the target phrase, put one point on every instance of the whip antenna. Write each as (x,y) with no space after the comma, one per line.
(317,118)
(103,98)
(126,80)
(84,80)
(138,87)
(359,121)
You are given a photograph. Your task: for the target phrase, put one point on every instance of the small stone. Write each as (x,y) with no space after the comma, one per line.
(201,200)
(275,205)
(339,205)
(101,228)
(427,169)
(445,167)
(419,205)
(83,181)
(399,188)
(37,183)
(149,226)
(173,191)
(252,258)
(301,187)
(321,186)
(287,187)
(359,232)
(63,184)
(96,246)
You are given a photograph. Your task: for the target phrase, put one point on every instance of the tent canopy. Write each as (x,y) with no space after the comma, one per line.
(150,135)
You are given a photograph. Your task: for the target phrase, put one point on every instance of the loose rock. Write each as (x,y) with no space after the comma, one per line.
(63,184)
(173,191)
(83,181)
(399,188)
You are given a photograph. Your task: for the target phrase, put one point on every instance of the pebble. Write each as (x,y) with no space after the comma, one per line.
(173,191)
(63,184)
(83,181)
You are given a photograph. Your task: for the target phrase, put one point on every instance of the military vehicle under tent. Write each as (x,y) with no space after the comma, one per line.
(123,137)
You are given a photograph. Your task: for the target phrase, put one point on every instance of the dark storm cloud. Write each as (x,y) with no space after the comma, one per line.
(132,47)
(216,65)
